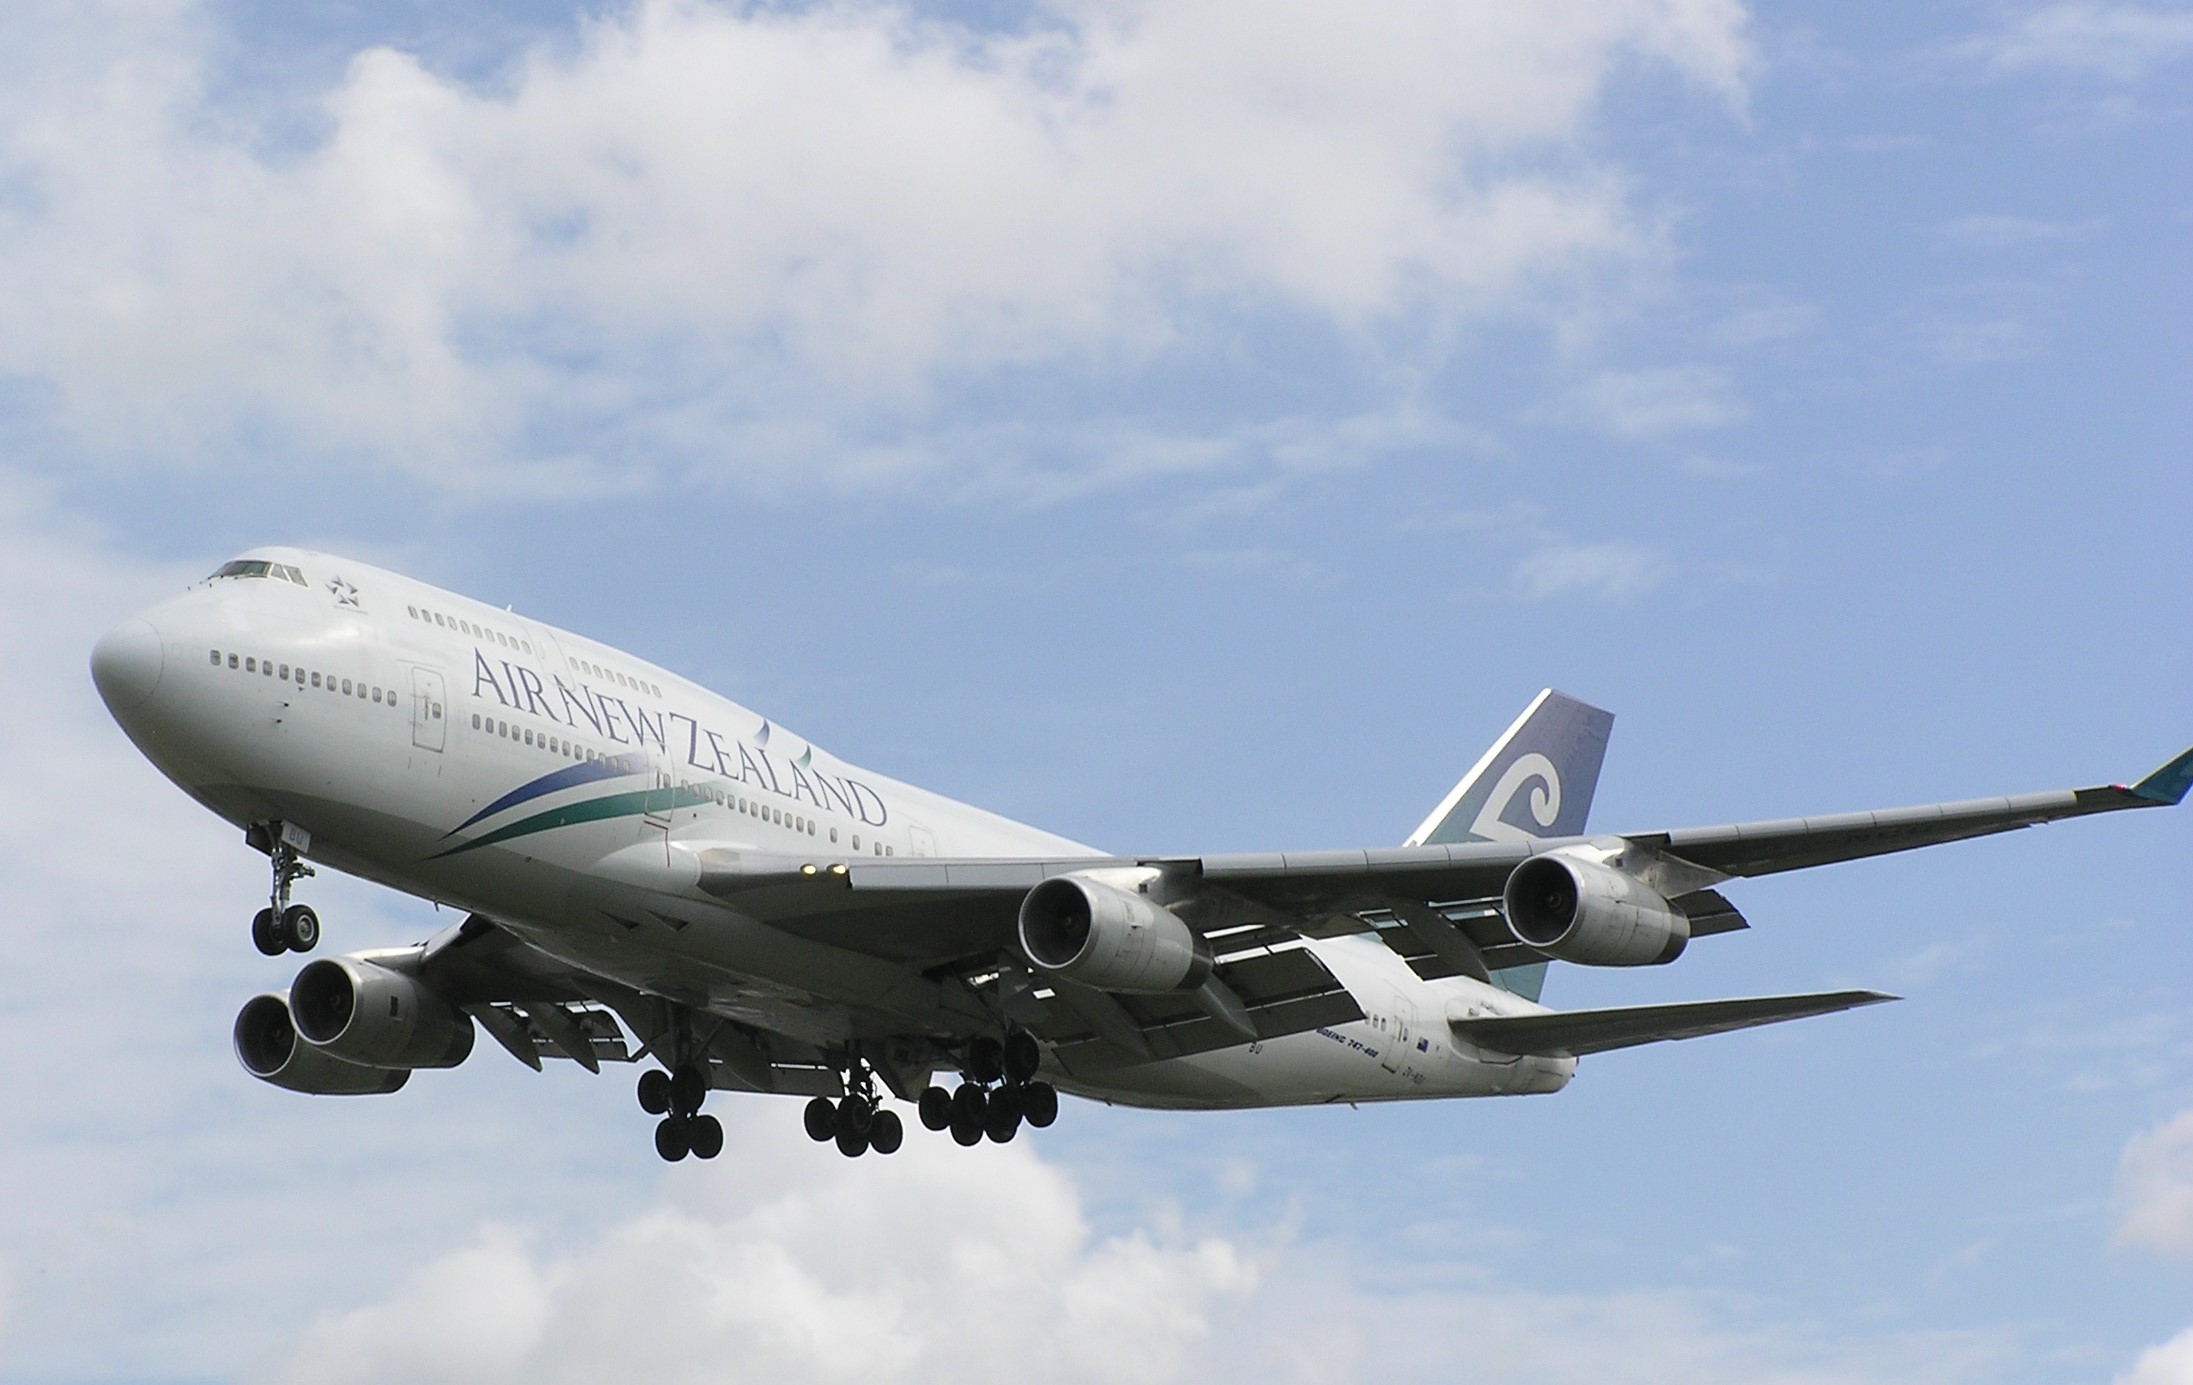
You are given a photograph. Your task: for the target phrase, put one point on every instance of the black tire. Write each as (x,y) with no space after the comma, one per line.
(821,1119)
(673,1139)
(935,1107)
(705,1134)
(886,1133)
(964,1131)
(986,1059)
(1023,1055)
(852,1143)
(655,1092)
(1005,1104)
(300,928)
(854,1117)
(1003,1123)
(1039,1104)
(688,1089)
(266,934)
(970,1105)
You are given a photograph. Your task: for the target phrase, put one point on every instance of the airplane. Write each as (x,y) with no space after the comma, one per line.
(649,871)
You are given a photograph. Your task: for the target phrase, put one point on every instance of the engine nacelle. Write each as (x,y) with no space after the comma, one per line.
(268,1047)
(1581,911)
(1110,938)
(363,1012)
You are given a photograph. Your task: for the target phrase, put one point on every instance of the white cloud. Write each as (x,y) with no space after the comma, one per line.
(934,1264)
(729,222)
(2121,43)
(1613,571)
(944,1265)
(1641,404)
(2169,1364)
(2012,232)
(2155,1190)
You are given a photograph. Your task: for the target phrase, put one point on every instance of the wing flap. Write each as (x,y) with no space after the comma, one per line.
(1285,992)
(1574,1033)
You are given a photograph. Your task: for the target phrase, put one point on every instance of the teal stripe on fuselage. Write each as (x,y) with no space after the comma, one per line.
(570,776)
(616,805)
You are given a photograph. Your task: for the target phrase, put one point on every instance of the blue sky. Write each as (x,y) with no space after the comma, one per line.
(1190,427)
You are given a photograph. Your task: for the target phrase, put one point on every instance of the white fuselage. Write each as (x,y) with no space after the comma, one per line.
(382,715)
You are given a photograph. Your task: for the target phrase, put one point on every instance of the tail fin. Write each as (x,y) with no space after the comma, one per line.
(1536,781)
(1554,750)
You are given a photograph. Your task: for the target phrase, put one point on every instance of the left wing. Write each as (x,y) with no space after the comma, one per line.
(929,912)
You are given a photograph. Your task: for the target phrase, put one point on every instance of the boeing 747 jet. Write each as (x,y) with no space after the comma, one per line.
(648,872)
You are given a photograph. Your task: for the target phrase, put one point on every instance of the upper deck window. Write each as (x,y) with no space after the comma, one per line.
(256,567)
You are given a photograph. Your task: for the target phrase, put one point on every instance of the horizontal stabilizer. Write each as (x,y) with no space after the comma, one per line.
(1574,1033)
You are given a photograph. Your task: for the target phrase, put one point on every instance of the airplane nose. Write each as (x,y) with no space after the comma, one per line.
(126,664)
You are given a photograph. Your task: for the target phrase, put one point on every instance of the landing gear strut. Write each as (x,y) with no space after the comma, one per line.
(282,926)
(676,1096)
(857,1121)
(1000,1093)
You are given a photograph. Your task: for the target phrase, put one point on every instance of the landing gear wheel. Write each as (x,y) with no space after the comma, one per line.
(266,933)
(966,1132)
(969,1105)
(655,1092)
(1002,1121)
(688,1089)
(852,1143)
(705,1134)
(935,1107)
(673,1139)
(886,1133)
(300,928)
(854,1117)
(985,1059)
(1039,1104)
(821,1119)
(1023,1055)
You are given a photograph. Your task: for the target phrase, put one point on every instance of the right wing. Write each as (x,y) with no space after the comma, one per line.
(1574,1033)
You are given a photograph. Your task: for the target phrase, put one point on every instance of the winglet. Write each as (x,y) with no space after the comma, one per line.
(2168,784)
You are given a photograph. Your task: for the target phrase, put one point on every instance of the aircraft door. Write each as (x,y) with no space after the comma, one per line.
(921,840)
(429,720)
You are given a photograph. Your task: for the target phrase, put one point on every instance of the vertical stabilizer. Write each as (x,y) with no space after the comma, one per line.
(1536,781)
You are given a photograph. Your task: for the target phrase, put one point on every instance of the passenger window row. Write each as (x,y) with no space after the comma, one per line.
(610,675)
(302,677)
(526,735)
(466,627)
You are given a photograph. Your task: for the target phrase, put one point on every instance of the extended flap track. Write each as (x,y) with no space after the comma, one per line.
(1481,921)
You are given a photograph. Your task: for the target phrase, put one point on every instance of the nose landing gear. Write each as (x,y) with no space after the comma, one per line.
(282,926)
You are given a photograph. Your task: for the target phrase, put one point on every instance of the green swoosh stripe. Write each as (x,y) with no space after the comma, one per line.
(616,805)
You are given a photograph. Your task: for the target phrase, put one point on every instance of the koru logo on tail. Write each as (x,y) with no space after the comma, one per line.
(1492,823)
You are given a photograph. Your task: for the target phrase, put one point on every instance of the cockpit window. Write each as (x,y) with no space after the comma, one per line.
(256,567)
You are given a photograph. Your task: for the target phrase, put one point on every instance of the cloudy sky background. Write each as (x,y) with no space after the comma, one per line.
(1194,426)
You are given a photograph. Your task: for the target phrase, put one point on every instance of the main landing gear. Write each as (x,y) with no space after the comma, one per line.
(857,1121)
(999,1092)
(282,926)
(677,1097)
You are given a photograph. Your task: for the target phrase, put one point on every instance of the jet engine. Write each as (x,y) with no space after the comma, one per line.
(362,1012)
(1581,911)
(267,1046)
(1113,939)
